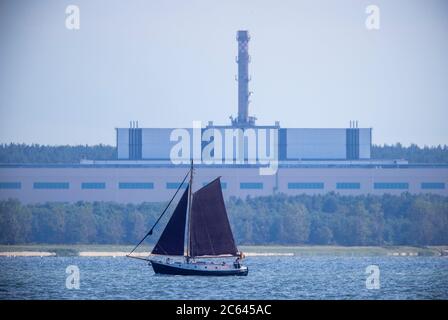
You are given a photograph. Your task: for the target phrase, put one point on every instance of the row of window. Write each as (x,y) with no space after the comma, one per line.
(97,185)
(305,185)
(243,185)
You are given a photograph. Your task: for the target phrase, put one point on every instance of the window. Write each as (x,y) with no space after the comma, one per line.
(175,185)
(136,185)
(10,185)
(433,185)
(348,185)
(51,185)
(93,185)
(223,184)
(251,185)
(391,185)
(305,185)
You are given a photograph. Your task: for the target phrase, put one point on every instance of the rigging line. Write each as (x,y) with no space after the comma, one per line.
(139,258)
(160,217)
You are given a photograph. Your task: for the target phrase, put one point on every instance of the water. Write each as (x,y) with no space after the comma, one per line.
(297,277)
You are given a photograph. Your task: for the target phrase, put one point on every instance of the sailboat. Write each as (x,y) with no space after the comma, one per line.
(199,219)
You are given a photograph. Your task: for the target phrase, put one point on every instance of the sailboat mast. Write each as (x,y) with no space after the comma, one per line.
(189,208)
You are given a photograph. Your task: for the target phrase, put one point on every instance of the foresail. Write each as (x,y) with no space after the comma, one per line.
(171,241)
(210,232)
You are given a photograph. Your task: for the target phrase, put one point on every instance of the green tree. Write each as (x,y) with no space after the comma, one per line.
(135,227)
(15,222)
(350,220)
(48,223)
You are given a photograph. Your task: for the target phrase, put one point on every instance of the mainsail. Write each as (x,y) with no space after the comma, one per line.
(171,241)
(210,232)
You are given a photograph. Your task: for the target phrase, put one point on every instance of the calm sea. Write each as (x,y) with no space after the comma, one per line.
(295,277)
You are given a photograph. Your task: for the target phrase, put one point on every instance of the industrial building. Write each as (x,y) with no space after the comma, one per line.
(293,143)
(310,161)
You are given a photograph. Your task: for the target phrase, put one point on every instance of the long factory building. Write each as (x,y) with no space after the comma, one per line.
(310,161)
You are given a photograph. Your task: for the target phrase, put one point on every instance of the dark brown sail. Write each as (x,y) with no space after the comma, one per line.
(210,232)
(171,241)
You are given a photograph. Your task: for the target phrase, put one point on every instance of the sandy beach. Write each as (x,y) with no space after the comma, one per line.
(117,254)
(249,251)
(27,254)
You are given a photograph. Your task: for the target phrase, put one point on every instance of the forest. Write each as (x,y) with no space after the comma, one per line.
(35,153)
(329,219)
(413,153)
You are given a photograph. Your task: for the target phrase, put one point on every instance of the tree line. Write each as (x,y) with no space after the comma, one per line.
(413,153)
(35,153)
(329,219)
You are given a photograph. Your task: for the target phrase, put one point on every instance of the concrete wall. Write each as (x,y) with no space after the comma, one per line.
(291,181)
(156,143)
(122,143)
(300,143)
(315,144)
(365,141)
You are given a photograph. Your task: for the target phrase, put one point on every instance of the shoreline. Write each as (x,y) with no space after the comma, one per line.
(250,251)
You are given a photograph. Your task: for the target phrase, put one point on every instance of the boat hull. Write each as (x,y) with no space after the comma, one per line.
(197,269)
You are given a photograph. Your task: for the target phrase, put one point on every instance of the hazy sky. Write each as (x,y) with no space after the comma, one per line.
(167,63)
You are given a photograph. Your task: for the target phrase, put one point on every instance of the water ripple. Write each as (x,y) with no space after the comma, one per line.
(281,277)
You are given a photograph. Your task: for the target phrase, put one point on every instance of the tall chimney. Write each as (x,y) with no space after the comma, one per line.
(243,77)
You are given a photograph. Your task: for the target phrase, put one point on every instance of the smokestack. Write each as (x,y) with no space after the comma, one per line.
(243,76)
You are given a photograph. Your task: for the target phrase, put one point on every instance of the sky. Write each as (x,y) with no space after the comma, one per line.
(168,63)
